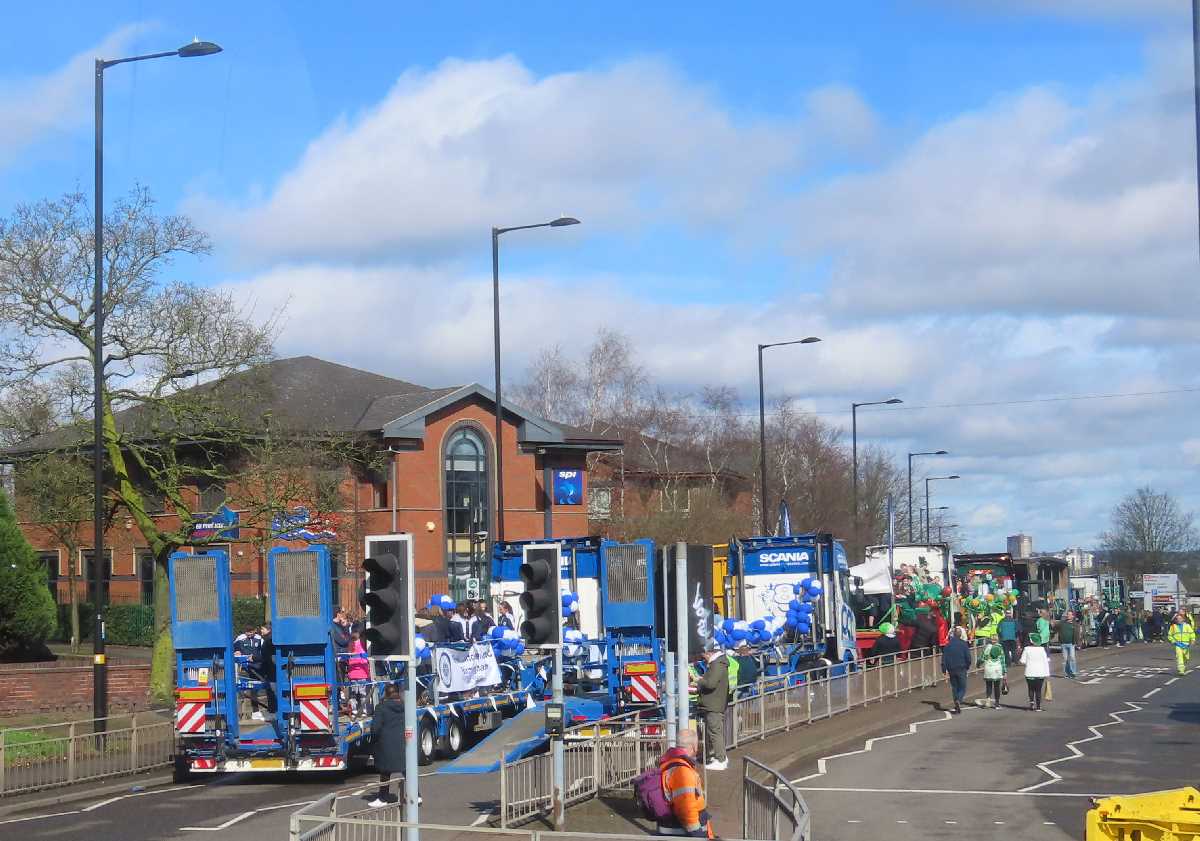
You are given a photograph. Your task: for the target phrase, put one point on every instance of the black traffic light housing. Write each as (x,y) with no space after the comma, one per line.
(542,600)
(386,600)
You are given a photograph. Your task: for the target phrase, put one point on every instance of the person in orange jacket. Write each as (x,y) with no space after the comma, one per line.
(684,791)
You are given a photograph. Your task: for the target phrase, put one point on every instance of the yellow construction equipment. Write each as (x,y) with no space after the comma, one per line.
(1155,816)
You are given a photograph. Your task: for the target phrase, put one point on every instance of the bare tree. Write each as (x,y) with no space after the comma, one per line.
(156,333)
(552,386)
(1146,528)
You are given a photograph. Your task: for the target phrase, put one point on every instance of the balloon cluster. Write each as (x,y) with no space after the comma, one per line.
(573,641)
(424,652)
(990,602)
(730,633)
(442,601)
(506,641)
(570,604)
(801,608)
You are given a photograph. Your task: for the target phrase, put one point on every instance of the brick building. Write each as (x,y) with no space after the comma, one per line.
(439,483)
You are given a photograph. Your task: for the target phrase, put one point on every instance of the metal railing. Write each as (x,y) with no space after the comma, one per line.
(771,806)
(46,756)
(622,747)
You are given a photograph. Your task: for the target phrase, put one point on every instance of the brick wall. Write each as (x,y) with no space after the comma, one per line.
(70,688)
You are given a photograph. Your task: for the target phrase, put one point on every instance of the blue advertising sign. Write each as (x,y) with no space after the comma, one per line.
(216,526)
(568,487)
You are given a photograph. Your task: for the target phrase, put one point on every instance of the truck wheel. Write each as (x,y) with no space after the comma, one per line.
(452,745)
(426,742)
(180,772)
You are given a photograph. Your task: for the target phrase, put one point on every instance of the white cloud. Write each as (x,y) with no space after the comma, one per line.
(470,144)
(36,107)
(988,515)
(1034,204)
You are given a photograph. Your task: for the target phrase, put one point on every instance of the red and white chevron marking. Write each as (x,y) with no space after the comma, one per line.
(643,689)
(314,714)
(189,717)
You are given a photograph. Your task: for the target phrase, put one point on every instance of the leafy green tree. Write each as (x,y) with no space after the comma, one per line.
(27,612)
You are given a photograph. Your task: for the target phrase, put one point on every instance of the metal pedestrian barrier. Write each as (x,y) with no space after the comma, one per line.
(609,755)
(51,755)
(771,806)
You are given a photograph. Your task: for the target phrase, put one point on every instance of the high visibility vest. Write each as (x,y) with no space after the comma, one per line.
(733,673)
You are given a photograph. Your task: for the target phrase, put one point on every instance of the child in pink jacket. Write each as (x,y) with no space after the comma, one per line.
(358,669)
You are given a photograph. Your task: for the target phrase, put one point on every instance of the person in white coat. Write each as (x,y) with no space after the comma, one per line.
(1037,669)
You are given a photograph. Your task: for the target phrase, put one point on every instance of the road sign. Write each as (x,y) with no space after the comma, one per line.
(473,589)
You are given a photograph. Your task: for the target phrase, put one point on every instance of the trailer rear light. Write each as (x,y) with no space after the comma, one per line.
(579,718)
(310,690)
(204,764)
(647,668)
(327,761)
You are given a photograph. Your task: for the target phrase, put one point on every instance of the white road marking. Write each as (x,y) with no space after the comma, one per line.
(849,821)
(1075,752)
(1048,823)
(1092,681)
(972,792)
(1152,691)
(102,803)
(40,817)
(1169,682)
(951,823)
(219,827)
(479,820)
(822,763)
(998,823)
(901,821)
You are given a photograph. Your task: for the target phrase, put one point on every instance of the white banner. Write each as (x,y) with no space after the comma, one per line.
(461,671)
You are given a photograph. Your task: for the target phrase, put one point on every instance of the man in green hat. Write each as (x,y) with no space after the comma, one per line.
(887,646)
(995,667)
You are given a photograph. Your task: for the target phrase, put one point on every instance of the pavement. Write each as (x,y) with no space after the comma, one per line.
(902,767)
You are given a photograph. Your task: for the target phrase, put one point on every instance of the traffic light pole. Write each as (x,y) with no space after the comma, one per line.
(558,759)
(411,768)
(681,635)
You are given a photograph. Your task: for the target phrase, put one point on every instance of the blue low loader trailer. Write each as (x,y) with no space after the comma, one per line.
(303,723)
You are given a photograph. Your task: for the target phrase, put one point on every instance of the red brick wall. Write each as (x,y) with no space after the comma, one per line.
(70,688)
(419,503)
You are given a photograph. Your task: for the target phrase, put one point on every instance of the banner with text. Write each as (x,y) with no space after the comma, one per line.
(462,671)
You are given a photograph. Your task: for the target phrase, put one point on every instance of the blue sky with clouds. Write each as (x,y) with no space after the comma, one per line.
(971,202)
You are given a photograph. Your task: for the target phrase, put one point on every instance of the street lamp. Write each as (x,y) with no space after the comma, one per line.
(99,672)
(929,479)
(560,222)
(910,458)
(925,515)
(762,424)
(854,446)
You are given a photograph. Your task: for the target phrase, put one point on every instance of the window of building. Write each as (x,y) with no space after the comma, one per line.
(380,498)
(675,499)
(338,574)
(145,573)
(89,569)
(599,503)
(468,513)
(50,559)
(212,498)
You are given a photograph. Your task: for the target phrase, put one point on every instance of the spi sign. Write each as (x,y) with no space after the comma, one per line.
(568,487)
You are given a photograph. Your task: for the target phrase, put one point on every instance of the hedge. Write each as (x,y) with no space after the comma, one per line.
(133,624)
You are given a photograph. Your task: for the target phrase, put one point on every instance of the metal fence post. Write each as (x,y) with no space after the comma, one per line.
(71,753)
(828,693)
(133,743)
(503,790)
(3,761)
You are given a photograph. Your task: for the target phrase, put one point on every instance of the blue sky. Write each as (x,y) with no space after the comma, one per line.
(970,201)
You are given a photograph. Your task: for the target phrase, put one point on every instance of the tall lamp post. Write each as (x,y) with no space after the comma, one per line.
(910,458)
(925,515)
(929,479)
(99,671)
(762,424)
(854,446)
(560,222)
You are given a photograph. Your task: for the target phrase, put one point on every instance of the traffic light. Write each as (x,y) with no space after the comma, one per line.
(541,601)
(388,602)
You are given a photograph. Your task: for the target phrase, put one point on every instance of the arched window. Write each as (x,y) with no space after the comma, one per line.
(468,512)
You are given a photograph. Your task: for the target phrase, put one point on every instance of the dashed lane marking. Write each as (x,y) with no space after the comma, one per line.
(1169,682)
(1152,691)
(1075,753)
(219,827)
(823,762)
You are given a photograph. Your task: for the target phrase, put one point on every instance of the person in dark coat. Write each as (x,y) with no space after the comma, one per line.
(926,635)
(263,665)
(956,662)
(886,647)
(483,620)
(504,618)
(387,733)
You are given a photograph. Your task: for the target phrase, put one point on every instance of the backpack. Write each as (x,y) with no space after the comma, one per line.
(649,795)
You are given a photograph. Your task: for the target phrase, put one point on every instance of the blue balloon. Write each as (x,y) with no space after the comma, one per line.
(803,627)
(794,604)
(739,634)
(758,624)
(728,624)
(520,647)
(807,608)
(814,587)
